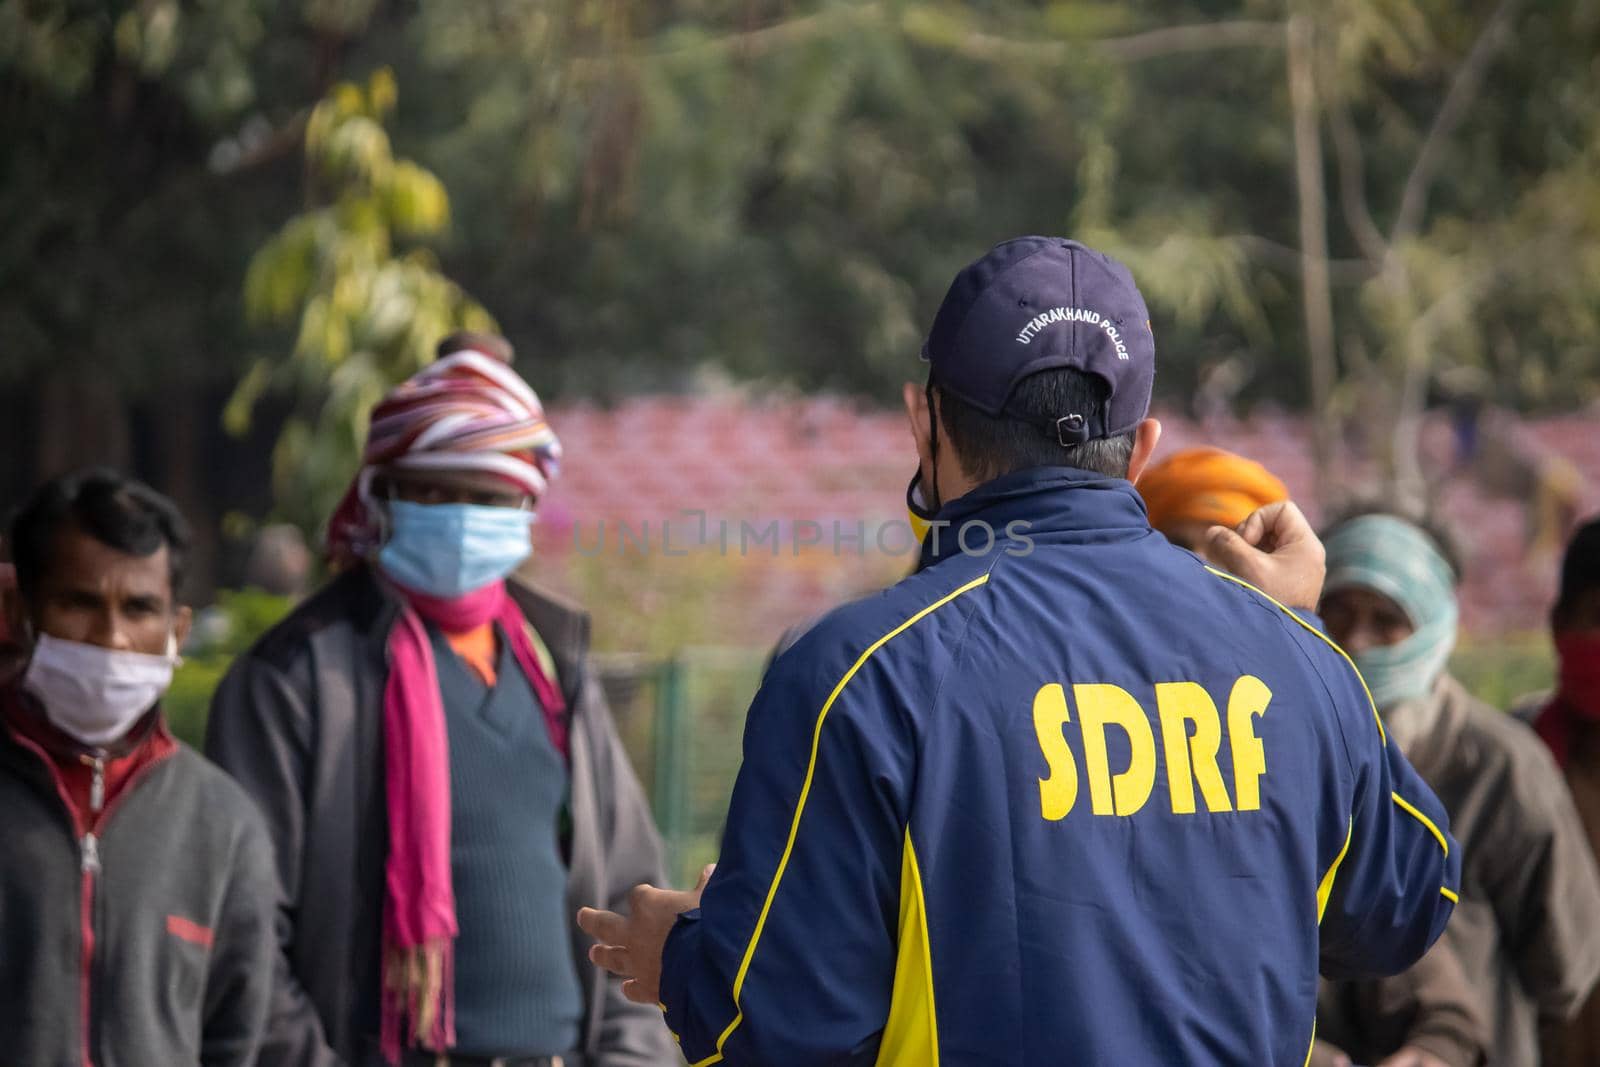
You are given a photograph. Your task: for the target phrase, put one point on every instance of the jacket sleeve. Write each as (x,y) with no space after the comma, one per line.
(631,1035)
(1432,1006)
(1449,1018)
(239,979)
(259,731)
(790,958)
(1387,896)
(1545,891)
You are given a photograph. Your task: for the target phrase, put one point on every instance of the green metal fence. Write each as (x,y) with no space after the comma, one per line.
(682,720)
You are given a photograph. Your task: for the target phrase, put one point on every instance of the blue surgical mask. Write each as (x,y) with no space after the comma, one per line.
(449,550)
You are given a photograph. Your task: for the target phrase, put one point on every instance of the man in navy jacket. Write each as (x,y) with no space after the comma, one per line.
(1067,794)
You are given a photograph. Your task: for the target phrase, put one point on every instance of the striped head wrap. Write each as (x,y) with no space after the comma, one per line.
(1395,558)
(469,411)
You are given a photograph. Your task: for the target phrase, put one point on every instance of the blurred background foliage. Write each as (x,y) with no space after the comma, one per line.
(282,203)
(279,204)
(364,313)
(221,632)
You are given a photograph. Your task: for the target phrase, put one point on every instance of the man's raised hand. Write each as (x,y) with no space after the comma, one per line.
(629,946)
(1276,551)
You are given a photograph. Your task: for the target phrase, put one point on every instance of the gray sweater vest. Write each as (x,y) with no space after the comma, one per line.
(516,987)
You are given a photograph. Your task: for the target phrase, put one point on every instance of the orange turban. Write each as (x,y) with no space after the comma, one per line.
(1207,485)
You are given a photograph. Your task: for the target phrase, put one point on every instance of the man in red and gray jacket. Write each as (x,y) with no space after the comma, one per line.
(135,919)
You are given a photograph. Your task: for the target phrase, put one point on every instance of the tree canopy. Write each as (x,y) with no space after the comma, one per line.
(1346,207)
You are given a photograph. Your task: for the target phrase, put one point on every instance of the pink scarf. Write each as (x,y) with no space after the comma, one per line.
(419,923)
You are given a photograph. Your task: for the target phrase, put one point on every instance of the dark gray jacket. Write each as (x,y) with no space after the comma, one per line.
(298,721)
(161,927)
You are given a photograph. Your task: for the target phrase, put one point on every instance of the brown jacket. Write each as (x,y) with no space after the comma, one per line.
(1431,1007)
(1527,930)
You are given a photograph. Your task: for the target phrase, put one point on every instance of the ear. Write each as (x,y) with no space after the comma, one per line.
(182,621)
(1145,438)
(921,420)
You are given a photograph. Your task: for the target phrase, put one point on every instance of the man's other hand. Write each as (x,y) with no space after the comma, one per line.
(1412,1056)
(1326,1055)
(1276,551)
(630,946)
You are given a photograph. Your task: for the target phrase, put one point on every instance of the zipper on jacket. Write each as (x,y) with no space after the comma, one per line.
(97,785)
(90,849)
(99,816)
(90,846)
(91,866)
(87,833)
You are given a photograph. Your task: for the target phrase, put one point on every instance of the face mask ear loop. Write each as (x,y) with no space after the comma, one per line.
(933,447)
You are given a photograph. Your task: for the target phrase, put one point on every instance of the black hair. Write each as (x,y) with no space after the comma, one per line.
(1580,567)
(115,510)
(990,446)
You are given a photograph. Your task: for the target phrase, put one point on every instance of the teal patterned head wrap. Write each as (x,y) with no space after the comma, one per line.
(1389,555)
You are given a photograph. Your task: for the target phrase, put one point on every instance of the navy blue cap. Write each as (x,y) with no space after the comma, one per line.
(1037,303)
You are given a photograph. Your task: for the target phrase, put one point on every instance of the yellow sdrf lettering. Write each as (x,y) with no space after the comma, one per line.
(1058,792)
(1191,757)
(1249,698)
(1100,706)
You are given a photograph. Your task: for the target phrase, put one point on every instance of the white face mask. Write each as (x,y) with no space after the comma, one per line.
(96,694)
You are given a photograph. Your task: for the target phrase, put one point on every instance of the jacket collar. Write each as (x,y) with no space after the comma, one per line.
(1056,503)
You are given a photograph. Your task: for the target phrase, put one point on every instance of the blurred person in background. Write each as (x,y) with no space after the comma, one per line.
(279,562)
(135,915)
(1195,489)
(911,873)
(1527,928)
(436,761)
(1570,725)
(279,565)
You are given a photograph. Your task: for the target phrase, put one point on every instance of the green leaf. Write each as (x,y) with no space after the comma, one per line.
(417,201)
(382,91)
(356,148)
(241,403)
(282,272)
